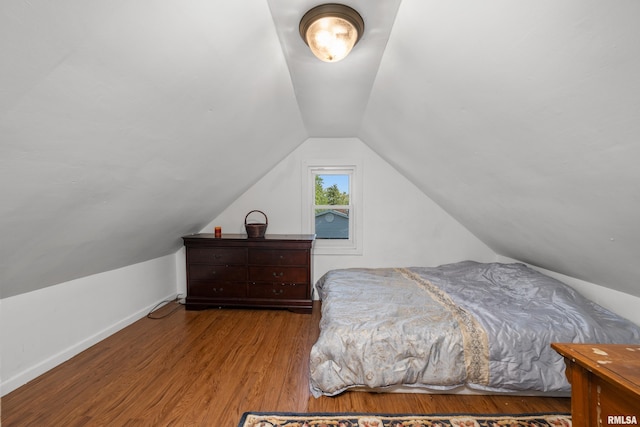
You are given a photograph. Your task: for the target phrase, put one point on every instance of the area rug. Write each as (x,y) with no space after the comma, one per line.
(281,419)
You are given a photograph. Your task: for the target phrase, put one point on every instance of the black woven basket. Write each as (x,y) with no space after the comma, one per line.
(256,230)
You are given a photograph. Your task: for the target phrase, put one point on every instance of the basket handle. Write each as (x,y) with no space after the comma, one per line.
(265,217)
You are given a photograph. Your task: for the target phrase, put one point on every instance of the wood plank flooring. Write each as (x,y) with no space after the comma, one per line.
(206,368)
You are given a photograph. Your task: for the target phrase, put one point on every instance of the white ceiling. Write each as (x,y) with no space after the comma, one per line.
(520,118)
(333,96)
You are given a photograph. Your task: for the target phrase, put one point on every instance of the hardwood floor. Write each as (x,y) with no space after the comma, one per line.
(206,368)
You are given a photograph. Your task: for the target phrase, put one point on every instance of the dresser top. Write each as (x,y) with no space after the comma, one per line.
(617,363)
(244,238)
(292,241)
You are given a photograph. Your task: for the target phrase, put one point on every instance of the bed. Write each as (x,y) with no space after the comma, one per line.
(480,327)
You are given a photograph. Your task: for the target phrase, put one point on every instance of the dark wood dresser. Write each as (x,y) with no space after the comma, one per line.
(605,383)
(235,271)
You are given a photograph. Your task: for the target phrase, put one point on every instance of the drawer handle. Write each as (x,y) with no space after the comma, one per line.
(278,291)
(278,274)
(218,290)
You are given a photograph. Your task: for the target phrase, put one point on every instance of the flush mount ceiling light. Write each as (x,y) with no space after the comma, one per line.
(331,30)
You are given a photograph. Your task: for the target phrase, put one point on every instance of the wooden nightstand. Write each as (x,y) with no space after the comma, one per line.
(605,383)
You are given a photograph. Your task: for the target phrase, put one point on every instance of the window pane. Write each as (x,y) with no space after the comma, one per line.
(332,189)
(332,223)
(332,206)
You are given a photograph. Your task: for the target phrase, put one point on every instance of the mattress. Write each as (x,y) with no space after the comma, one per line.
(484,327)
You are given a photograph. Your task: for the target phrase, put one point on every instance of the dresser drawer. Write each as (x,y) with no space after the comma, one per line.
(216,273)
(278,274)
(277,291)
(278,257)
(217,255)
(218,290)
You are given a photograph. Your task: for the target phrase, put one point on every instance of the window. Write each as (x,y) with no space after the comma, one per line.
(331,204)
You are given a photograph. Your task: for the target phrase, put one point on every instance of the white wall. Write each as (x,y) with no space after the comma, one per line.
(43,328)
(402,226)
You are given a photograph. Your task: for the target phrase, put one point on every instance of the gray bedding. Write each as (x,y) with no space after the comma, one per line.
(484,326)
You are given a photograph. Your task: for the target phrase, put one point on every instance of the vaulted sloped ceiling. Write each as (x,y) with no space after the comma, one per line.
(125,122)
(522,120)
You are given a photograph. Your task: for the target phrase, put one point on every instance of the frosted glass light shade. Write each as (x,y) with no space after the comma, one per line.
(331,31)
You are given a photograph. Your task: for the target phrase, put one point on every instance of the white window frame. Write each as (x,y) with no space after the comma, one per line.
(353,245)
